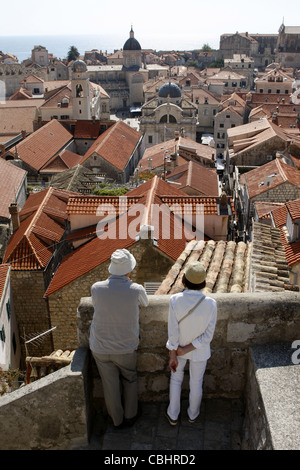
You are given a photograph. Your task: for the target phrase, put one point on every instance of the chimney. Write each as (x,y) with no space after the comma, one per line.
(23,134)
(15,218)
(149,163)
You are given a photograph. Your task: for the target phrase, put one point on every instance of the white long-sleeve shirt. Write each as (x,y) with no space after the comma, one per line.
(115,324)
(198,328)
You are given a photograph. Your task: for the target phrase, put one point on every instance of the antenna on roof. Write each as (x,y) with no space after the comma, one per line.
(37,339)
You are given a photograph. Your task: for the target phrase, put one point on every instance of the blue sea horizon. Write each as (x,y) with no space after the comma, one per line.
(21,46)
(59,45)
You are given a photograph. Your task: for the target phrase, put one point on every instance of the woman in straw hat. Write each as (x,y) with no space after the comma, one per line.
(191,326)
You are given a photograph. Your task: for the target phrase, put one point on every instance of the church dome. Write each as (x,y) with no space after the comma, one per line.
(132,44)
(79,66)
(169,89)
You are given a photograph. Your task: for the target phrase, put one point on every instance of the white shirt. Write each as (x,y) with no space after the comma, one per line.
(115,324)
(198,328)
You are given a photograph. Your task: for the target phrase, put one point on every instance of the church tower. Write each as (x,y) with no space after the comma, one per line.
(80,91)
(132,53)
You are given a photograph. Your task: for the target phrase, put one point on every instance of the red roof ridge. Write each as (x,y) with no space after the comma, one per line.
(149,201)
(40,209)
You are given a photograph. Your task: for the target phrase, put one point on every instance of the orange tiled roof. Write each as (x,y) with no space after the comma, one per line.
(256,179)
(195,204)
(292,250)
(116,145)
(96,251)
(197,177)
(42,224)
(294,209)
(11,178)
(4,268)
(63,161)
(88,205)
(39,147)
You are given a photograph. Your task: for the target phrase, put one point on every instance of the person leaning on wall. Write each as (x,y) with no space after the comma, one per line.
(191,325)
(114,337)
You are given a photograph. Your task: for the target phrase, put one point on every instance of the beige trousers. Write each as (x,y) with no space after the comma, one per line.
(118,374)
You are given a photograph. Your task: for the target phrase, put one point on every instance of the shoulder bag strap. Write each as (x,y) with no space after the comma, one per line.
(192,309)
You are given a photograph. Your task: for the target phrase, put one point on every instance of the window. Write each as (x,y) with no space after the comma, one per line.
(150,139)
(278,91)
(2,334)
(261,90)
(8,309)
(269,90)
(221,125)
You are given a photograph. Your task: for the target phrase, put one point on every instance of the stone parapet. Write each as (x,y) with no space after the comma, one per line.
(244,320)
(272,398)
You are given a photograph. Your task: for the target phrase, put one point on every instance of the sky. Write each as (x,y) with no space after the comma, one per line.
(193,21)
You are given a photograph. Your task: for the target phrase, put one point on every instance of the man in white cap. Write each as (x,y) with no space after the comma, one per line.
(114,336)
(191,325)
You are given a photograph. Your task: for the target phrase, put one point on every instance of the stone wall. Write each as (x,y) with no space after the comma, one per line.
(272,398)
(258,155)
(49,414)
(244,320)
(31,310)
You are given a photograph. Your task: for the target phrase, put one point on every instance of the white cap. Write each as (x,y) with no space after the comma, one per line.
(121,262)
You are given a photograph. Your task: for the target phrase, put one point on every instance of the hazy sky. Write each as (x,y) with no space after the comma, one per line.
(174,19)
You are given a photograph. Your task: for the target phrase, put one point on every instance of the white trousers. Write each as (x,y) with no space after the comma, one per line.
(196,371)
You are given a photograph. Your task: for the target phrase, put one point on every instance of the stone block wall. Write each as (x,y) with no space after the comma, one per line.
(243,320)
(49,414)
(272,398)
(31,309)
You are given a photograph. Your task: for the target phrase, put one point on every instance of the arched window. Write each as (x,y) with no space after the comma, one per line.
(79,91)
(164,118)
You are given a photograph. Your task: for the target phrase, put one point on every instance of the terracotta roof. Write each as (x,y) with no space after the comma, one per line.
(187,149)
(87,129)
(42,224)
(226,264)
(57,97)
(196,177)
(12,178)
(15,119)
(293,208)
(88,205)
(269,265)
(39,147)
(84,259)
(4,270)
(269,176)
(116,145)
(96,251)
(264,208)
(32,79)
(63,161)
(211,205)
(292,250)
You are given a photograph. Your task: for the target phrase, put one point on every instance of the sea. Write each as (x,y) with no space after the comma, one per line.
(21,46)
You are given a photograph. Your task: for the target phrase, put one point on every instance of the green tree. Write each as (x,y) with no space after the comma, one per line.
(206,48)
(73,53)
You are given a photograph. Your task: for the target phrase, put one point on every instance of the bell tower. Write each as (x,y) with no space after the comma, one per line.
(80,84)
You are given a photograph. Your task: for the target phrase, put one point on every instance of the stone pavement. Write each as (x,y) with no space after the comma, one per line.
(219,427)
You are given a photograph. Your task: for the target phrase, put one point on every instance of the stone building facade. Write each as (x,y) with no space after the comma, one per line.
(167,114)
